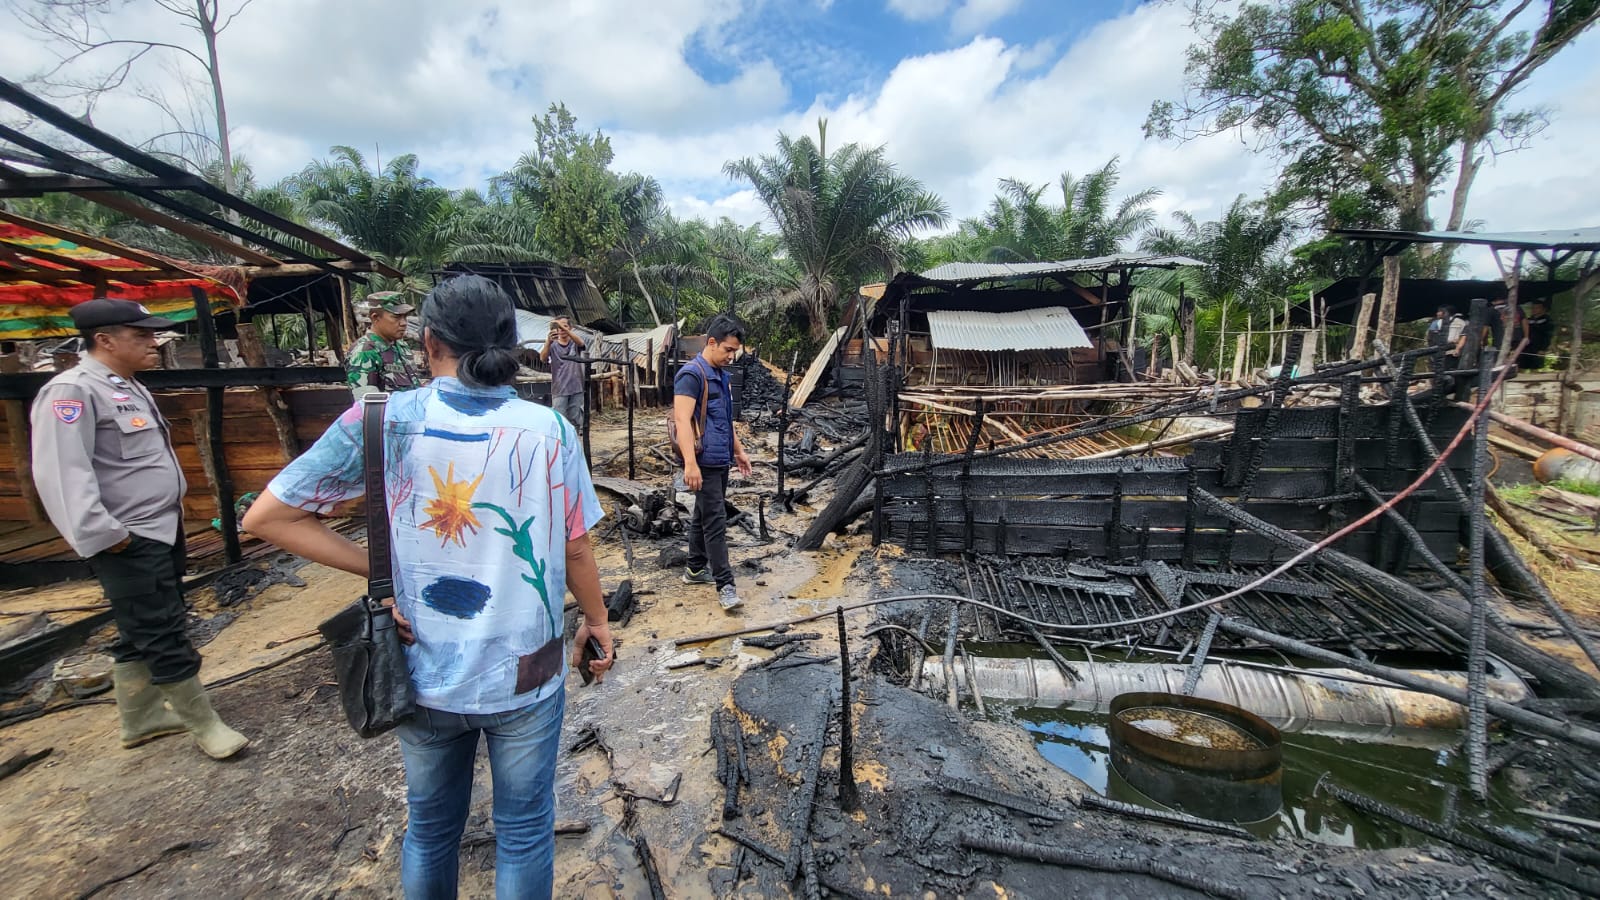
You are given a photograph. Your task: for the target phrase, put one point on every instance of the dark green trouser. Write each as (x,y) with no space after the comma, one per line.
(144,583)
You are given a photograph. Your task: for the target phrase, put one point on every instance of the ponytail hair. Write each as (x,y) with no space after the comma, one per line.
(486,368)
(476,319)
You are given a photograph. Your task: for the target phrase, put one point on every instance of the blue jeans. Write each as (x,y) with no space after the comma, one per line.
(439,750)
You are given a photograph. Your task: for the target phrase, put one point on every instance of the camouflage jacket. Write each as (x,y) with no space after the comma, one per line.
(372,355)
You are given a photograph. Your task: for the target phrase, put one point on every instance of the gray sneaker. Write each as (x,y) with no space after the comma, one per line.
(729,597)
(698,576)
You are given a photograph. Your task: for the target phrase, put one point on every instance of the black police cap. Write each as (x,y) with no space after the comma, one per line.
(108,311)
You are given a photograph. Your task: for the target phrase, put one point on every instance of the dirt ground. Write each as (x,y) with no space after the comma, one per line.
(312,810)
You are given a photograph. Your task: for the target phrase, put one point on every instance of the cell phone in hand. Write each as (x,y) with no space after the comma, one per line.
(591,652)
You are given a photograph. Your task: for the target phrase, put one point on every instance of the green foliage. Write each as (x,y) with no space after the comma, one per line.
(1517,493)
(1244,277)
(393,213)
(842,217)
(567,181)
(1587,488)
(1020,226)
(1371,104)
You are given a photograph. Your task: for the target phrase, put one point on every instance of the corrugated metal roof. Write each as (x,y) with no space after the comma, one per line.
(533,328)
(1046,328)
(962,271)
(1554,239)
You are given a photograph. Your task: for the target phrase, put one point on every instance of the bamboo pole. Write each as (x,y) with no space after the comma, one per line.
(1159,444)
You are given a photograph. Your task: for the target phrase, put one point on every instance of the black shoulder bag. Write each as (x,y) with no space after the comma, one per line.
(368,659)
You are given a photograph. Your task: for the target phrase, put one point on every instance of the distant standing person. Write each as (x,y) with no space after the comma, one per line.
(706,473)
(382,359)
(566,373)
(111,484)
(1495,328)
(1540,332)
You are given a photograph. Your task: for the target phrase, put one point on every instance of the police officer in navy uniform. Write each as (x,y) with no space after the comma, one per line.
(111,484)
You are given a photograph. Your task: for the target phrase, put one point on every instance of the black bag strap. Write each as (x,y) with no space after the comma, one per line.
(380,577)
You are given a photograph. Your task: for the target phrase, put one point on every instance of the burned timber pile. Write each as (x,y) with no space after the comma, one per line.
(1303,469)
(1340,523)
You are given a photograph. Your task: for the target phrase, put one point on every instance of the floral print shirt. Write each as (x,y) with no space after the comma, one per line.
(485,490)
(371,356)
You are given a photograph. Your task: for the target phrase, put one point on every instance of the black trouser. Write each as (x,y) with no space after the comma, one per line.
(144,582)
(708,533)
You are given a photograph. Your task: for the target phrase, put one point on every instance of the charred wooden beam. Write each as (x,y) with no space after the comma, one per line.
(221,476)
(1564,875)
(1077,859)
(849,798)
(1559,678)
(805,798)
(1478,597)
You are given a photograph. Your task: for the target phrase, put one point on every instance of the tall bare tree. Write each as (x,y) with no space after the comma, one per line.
(99,46)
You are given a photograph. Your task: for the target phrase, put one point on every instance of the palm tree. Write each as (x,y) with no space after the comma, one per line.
(1021,226)
(1244,269)
(840,216)
(395,214)
(490,228)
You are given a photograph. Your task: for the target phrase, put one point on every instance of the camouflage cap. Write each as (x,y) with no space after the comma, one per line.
(387,301)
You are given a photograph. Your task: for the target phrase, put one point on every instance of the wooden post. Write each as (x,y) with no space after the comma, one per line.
(1272,335)
(211,445)
(336,340)
(311,331)
(20,435)
(1322,330)
(1249,337)
(1513,279)
(1308,355)
(1587,278)
(1390,302)
(1358,345)
(630,384)
(255,356)
(1186,320)
(1222,331)
(347,313)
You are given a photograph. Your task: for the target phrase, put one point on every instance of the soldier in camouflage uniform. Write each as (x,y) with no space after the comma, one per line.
(383,360)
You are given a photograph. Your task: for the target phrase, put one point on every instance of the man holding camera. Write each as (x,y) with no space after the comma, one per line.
(561,347)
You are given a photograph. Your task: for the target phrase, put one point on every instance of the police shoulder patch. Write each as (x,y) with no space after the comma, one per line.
(68,411)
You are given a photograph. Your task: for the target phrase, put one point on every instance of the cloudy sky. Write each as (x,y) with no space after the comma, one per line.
(962,92)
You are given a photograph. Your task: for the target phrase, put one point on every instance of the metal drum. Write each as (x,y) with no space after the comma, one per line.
(1206,758)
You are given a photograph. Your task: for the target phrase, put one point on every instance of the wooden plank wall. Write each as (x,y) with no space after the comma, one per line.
(1137,508)
(254,454)
(1534,397)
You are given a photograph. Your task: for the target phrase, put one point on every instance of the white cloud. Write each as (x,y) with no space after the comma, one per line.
(919,10)
(458,83)
(976,15)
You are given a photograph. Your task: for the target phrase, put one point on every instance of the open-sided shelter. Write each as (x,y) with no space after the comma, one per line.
(233,427)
